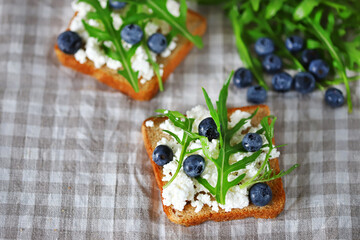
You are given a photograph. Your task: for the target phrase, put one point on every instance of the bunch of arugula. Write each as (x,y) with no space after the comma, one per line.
(224,168)
(329,25)
(136,14)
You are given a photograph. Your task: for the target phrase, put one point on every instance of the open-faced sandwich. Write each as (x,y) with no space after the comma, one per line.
(132,45)
(216,164)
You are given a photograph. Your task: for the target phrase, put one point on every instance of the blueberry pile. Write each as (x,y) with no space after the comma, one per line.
(302,82)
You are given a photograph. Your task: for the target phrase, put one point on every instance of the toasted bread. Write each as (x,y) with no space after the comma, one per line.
(188,217)
(196,25)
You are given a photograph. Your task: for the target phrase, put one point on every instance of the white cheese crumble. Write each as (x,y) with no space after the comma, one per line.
(184,189)
(94,52)
(149,123)
(173,7)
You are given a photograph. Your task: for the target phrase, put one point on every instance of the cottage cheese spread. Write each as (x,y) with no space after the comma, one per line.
(185,189)
(94,52)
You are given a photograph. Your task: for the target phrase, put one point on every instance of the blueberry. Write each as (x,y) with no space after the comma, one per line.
(69,42)
(162,155)
(208,128)
(242,78)
(334,97)
(114,4)
(264,46)
(282,82)
(132,34)
(308,55)
(319,68)
(252,142)
(256,94)
(304,82)
(294,44)
(194,165)
(272,63)
(260,194)
(157,43)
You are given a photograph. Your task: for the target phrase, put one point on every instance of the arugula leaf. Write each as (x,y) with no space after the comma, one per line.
(304,9)
(272,8)
(111,34)
(177,23)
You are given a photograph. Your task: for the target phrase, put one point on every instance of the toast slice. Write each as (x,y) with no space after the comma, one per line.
(188,217)
(196,25)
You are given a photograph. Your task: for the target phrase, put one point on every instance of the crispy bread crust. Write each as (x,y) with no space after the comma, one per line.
(196,25)
(188,217)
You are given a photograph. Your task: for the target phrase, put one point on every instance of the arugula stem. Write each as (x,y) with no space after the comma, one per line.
(243,50)
(184,31)
(341,68)
(340,80)
(181,159)
(154,65)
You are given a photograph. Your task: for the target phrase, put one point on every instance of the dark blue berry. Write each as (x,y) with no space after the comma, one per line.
(319,68)
(208,128)
(264,46)
(242,78)
(252,142)
(260,194)
(132,34)
(114,4)
(282,82)
(272,63)
(304,82)
(294,44)
(157,43)
(194,165)
(334,97)
(69,42)
(256,94)
(308,55)
(162,155)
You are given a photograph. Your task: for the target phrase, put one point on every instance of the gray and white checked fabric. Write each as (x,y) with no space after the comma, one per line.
(72,161)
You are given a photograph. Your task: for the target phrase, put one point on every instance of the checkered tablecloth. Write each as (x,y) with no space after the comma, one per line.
(73,164)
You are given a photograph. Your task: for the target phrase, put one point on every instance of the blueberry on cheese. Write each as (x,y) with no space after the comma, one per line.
(260,194)
(69,42)
(294,43)
(252,142)
(319,68)
(282,82)
(114,4)
(304,82)
(208,128)
(157,43)
(264,46)
(242,78)
(162,155)
(334,97)
(194,165)
(256,94)
(272,63)
(132,33)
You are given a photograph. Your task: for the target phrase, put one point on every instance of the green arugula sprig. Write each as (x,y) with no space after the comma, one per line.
(111,34)
(224,168)
(329,25)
